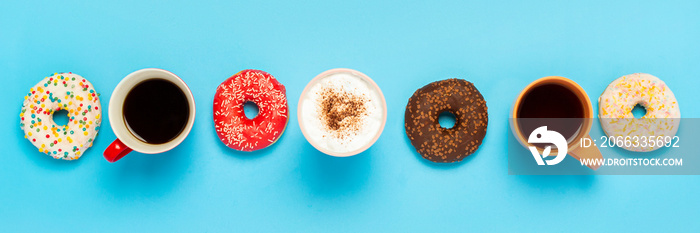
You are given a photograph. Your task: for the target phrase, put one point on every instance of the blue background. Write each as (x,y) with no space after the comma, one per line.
(204,186)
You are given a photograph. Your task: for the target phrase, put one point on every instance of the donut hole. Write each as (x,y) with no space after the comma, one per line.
(447,120)
(250,109)
(639,111)
(60,117)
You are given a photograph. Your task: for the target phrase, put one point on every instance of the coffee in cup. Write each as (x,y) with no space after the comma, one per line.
(560,105)
(151,111)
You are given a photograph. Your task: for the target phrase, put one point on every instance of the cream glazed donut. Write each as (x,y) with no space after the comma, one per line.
(231,124)
(62,91)
(622,95)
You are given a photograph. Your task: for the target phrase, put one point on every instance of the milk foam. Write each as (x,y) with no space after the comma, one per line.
(349,83)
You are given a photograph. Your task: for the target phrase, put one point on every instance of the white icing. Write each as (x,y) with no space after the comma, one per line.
(64,91)
(623,94)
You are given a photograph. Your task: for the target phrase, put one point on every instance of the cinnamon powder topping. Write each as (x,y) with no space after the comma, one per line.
(342,113)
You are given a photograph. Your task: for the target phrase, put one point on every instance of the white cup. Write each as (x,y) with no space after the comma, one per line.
(308,129)
(126,141)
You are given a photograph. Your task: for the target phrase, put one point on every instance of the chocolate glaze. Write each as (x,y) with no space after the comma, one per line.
(442,145)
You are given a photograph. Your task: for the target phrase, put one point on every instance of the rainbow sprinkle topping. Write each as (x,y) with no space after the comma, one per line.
(61,91)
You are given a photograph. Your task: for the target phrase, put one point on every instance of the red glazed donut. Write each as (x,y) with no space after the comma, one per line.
(233,127)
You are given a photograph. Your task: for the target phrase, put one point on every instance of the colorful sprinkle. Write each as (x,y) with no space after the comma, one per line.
(623,94)
(44,99)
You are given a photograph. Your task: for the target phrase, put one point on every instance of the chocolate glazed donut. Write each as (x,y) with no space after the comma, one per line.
(439,144)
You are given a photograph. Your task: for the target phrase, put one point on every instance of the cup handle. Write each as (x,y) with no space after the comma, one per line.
(591,153)
(116,151)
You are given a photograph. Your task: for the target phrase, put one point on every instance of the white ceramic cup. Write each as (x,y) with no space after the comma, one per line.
(126,141)
(302,114)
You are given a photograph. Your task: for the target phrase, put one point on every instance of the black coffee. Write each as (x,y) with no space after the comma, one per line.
(551,105)
(156,111)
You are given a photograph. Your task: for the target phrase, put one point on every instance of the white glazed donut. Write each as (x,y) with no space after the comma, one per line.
(623,94)
(62,91)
